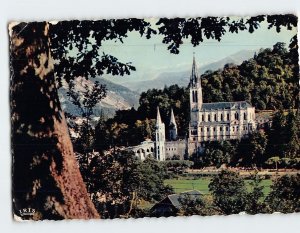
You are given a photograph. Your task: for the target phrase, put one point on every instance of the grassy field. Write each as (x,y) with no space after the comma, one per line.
(201,184)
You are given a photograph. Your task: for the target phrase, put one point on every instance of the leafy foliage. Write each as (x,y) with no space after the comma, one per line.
(195,206)
(117,182)
(255,197)
(285,194)
(85,100)
(285,135)
(229,192)
(76,46)
(267,81)
(197,29)
(177,166)
(251,151)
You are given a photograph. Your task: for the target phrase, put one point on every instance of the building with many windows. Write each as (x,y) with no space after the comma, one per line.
(216,121)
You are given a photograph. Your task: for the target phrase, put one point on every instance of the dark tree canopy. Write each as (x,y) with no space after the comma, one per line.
(197,29)
(86,37)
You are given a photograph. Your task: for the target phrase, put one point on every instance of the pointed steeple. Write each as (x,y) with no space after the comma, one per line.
(194,74)
(196,100)
(158,118)
(172,127)
(159,138)
(172,119)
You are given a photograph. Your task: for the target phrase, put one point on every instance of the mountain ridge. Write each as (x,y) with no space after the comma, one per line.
(182,78)
(117,97)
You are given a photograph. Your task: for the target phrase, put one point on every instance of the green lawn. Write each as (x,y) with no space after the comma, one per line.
(201,184)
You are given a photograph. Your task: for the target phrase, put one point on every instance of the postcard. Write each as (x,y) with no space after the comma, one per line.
(154,117)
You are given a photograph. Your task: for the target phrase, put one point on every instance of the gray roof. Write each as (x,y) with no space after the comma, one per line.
(225,105)
(174,198)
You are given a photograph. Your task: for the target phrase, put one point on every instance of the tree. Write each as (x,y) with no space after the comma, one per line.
(45,173)
(85,100)
(38,124)
(218,153)
(258,145)
(229,192)
(195,206)
(118,182)
(251,150)
(149,178)
(292,134)
(254,198)
(177,166)
(285,194)
(111,182)
(273,161)
(284,134)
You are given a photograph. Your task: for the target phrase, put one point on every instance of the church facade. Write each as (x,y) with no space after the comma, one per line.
(216,121)
(219,120)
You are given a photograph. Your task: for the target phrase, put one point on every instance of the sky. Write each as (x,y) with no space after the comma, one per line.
(151,57)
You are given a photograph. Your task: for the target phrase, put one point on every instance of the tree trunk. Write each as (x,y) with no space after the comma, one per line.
(46,176)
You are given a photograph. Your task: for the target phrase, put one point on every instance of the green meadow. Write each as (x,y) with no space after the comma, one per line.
(201,184)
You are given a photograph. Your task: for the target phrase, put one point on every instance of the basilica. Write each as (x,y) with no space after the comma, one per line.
(208,122)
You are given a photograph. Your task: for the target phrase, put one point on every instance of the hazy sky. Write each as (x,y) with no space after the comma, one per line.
(151,57)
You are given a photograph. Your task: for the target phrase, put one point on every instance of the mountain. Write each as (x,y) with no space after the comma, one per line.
(117,97)
(182,78)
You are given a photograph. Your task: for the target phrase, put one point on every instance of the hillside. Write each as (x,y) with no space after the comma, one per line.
(118,97)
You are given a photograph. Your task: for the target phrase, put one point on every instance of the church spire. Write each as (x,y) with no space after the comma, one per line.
(160,138)
(195,89)
(172,127)
(172,120)
(194,74)
(158,118)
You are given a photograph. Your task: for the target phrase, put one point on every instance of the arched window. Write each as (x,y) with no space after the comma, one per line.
(228,118)
(208,117)
(196,96)
(193,94)
(236,116)
(245,116)
(221,116)
(203,117)
(215,117)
